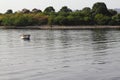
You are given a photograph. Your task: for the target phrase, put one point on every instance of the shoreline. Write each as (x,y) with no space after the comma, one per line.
(46,27)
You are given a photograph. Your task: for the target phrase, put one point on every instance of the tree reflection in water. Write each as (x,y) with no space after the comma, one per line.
(99,46)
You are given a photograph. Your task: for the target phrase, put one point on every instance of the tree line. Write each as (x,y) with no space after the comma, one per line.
(98,15)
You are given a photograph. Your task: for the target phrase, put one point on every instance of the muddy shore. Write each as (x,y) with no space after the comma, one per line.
(60,27)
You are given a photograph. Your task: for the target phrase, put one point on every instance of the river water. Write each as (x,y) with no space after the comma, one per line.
(60,55)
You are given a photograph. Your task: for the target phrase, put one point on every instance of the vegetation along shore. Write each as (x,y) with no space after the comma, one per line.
(65,18)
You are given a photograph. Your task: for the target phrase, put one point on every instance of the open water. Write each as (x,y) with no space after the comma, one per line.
(60,55)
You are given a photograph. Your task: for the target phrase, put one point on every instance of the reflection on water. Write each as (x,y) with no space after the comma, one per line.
(99,38)
(60,55)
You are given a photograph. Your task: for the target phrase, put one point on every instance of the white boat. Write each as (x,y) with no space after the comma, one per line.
(25,36)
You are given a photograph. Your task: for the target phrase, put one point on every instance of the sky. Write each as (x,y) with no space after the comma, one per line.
(16,5)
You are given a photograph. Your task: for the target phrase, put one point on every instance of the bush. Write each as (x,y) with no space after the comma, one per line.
(102,19)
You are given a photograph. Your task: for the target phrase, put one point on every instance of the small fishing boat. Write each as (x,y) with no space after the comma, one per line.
(25,36)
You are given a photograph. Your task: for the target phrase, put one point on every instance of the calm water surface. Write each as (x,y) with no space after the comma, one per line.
(60,55)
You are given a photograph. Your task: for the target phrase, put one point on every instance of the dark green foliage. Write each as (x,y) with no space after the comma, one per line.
(51,20)
(60,20)
(36,10)
(22,20)
(49,9)
(25,10)
(102,19)
(98,15)
(19,19)
(7,20)
(65,9)
(87,11)
(9,11)
(100,8)
(112,12)
(72,20)
(115,20)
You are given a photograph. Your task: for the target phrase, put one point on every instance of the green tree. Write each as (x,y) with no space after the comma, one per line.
(102,19)
(74,20)
(51,20)
(49,9)
(65,9)
(9,11)
(100,8)
(22,20)
(36,10)
(25,10)
(115,20)
(61,20)
(71,20)
(40,19)
(86,11)
(112,12)
(7,20)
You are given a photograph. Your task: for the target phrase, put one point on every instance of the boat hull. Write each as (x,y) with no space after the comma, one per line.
(26,37)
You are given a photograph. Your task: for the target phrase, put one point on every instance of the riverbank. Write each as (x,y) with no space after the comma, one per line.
(60,27)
